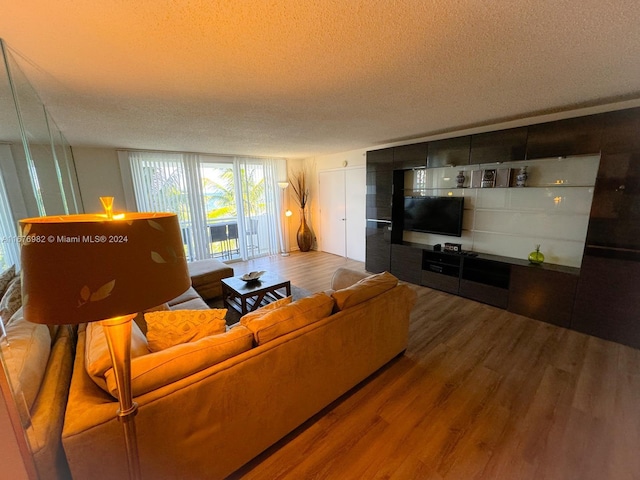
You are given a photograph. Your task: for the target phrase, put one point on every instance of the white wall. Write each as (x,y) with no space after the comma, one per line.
(98,172)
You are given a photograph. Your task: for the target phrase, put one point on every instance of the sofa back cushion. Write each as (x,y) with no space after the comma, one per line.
(11,300)
(97,358)
(6,277)
(155,370)
(268,323)
(26,354)
(363,290)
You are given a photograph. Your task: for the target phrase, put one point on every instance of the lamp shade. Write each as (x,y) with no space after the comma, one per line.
(84,268)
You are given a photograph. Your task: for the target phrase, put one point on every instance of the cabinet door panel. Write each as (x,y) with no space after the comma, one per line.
(607,300)
(380,159)
(573,136)
(542,294)
(379,188)
(614,221)
(501,146)
(621,131)
(410,156)
(451,151)
(481,292)
(378,247)
(406,263)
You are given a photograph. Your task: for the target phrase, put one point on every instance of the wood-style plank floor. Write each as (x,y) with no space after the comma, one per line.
(481,393)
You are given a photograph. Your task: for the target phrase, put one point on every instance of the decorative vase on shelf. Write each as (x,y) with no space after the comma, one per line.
(521,178)
(460,179)
(536,257)
(304,236)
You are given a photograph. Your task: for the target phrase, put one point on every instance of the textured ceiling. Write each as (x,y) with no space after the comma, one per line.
(306,77)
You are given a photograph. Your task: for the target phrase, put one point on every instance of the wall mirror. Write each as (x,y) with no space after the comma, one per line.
(37,178)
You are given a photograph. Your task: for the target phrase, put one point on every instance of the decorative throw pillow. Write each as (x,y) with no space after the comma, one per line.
(6,277)
(271,324)
(96,351)
(139,318)
(166,329)
(363,290)
(11,300)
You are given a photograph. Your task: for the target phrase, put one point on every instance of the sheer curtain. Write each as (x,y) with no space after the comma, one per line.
(182,183)
(261,207)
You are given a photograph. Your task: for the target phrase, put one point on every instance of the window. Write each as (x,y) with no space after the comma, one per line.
(228,207)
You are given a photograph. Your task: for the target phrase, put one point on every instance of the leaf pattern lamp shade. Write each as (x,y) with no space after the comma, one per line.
(84,268)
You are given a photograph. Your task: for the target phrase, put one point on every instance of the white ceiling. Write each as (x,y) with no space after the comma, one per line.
(299,78)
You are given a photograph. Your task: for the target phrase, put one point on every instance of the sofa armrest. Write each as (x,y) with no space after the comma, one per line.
(345,277)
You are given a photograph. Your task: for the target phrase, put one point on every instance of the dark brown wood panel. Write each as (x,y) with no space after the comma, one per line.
(378,247)
(498,297)
(379,193)
(621,131)
(380,159)
(450,151)
(501,146)
(573,136)
(608,300)
(614,221)
(542,294)
(406,263)
(439,281)
(410,156)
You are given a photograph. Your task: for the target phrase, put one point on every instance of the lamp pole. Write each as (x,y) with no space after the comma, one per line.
(283,226)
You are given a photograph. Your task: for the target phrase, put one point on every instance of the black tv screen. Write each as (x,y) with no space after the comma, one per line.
(441,215)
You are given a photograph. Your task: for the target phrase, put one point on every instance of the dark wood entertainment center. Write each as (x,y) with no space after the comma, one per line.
(600,298)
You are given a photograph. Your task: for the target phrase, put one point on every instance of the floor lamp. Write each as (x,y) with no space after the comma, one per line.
(86,268)
(284,233)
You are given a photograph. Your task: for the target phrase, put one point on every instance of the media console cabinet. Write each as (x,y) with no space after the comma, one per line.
(600,298)
(544,292)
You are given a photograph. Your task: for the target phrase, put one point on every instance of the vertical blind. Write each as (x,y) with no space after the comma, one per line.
(9,247)
(193,187)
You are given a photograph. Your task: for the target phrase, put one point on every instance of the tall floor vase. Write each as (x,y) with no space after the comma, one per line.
(304,236)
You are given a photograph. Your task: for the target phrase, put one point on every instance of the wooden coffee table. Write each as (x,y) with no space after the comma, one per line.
(248,296)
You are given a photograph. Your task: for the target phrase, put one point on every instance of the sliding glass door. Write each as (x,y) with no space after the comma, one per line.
(227,206)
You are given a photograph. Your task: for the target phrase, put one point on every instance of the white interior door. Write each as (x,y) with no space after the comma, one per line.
(332,212)
(355,200)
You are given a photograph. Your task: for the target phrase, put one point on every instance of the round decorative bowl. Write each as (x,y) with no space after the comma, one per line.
(252,276)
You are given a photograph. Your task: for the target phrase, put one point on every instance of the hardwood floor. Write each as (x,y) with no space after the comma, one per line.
(481,393)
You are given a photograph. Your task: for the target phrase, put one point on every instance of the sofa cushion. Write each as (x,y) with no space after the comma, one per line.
(25,353)
(11,300)
(188,295)
(260,312)
(268,324)
(97,358)
(363,290)
(152,371)
(6,277)
(166,329)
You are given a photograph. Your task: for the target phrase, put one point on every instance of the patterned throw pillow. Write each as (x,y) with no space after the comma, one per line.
(11,300)
(165,329)
(5,278)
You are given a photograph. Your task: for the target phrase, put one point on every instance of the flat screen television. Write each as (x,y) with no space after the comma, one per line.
(441,215)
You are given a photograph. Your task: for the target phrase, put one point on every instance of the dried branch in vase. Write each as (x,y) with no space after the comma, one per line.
(299,185)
